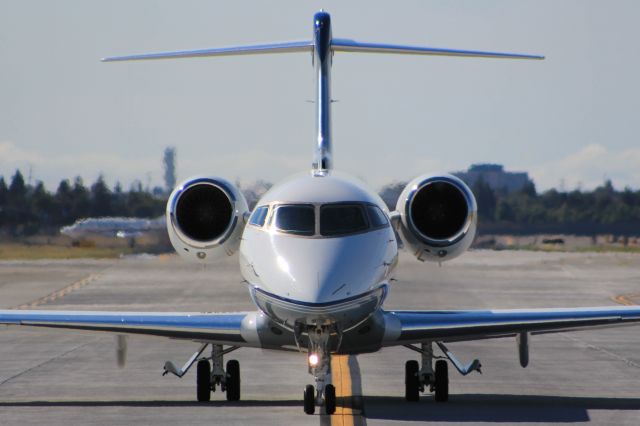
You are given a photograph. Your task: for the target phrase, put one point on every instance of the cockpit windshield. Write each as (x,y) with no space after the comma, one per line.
(297,219)
(342,219)
(335,220)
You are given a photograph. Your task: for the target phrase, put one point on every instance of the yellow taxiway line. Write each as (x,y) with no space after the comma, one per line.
(60,293)
(626,299)
(346,414)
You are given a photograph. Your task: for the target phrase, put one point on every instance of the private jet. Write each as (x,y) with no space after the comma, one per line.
(318,253)
(113,227)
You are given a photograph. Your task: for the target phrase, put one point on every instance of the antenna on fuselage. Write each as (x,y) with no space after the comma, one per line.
(321,47)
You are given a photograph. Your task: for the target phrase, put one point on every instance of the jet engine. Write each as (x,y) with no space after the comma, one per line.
(438,217)
(205,218)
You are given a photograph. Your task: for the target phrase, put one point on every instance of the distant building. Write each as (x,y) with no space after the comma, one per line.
(169,161)
(495,176)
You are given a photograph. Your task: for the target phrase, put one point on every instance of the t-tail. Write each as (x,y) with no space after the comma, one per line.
(322,47)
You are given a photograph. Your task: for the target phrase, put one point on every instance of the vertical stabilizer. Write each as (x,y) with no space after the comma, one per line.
(322,61)
(322,48)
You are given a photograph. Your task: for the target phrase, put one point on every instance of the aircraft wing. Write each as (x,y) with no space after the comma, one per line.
(224,328)
(404,327)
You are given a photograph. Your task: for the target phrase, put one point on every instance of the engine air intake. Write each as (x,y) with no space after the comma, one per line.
(438,216)
(439,210)
(205,218)
(203,212)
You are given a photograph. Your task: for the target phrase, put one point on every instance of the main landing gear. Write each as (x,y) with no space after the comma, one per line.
(320,367)
(210,375)
(418,379)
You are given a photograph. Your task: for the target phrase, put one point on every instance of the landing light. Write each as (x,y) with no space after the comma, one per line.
(313,360)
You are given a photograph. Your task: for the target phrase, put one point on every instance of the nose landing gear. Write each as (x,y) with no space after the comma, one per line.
(320,367)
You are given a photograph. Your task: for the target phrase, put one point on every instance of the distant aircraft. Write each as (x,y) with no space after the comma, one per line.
(113,227)
(317,255)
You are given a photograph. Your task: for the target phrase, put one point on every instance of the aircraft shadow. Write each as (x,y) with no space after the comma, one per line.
(153,403)
(495,408)
(459,409)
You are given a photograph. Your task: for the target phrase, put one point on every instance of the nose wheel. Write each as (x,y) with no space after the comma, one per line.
(329,399)
(309,397)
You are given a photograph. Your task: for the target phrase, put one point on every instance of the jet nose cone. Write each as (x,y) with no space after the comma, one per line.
(316,270)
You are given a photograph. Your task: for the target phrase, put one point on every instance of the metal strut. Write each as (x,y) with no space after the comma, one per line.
(426,375)
(170,367)
(426,371)
(218,375)
(321,371)
(462,368)
(216,351)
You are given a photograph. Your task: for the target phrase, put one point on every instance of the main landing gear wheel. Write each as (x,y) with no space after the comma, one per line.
(329,399)
(309,399)
(233,380)
(441,381)
(203,381)
(411,381)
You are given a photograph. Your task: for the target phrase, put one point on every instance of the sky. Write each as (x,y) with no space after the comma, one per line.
(571,120)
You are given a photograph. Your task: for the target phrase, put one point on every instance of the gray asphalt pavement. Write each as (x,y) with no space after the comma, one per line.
(50,377)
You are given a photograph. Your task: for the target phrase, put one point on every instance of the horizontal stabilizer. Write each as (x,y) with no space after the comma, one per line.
(344,45)
(286,47)
(337,45)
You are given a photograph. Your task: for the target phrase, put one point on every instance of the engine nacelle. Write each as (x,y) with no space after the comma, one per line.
(438,216)
(205,218)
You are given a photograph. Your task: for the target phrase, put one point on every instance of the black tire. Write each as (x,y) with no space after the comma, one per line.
(309,399)
(411,381)
(203,381)
(233,380)
(329,399)
(442,381)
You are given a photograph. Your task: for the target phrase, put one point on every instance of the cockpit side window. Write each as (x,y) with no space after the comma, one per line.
(342,219)
(376,217)
(299,219)
(259,215)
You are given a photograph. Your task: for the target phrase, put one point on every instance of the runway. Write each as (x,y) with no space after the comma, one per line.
(58,377)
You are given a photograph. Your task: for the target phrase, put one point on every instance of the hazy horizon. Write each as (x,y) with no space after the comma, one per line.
(569,120)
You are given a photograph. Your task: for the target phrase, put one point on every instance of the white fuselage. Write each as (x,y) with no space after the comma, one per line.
(314,278)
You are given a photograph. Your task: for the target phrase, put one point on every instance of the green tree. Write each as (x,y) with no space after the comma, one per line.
(486,199)
(4,192)
(17,188)
(16,210)
(100,198)
(81,203)
(63,200)
(43,206)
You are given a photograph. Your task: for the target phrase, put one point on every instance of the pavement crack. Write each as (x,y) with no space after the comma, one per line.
(15,376)
(624,299)
(602,350)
